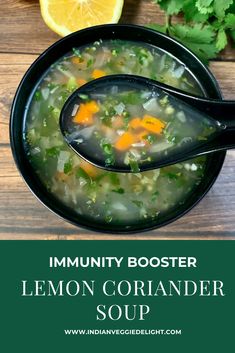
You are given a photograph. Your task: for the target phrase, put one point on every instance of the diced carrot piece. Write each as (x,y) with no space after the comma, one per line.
(81,81)
(93,107)
(152,124)
(92,171)
(76,60)
(125,141)
(83,116)
(98,73)
(118,122)
(135,123)
(85,113)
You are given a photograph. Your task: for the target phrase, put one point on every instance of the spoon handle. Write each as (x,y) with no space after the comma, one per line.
(224,113)
(221,110)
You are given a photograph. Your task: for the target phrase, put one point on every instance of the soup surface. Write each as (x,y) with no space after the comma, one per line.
(105,197)
(122,125)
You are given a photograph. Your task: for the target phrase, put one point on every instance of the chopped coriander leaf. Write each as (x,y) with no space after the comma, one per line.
(83,96)
(38,95)
(68,166)
(110,160)
(80,173)
(108,218)
(119,191)
(90,62)
(134,166)
(114,178)
(154,196)
(151,138)
(77,52)
(106,146)
(108,151)
(52,152)
(137,203)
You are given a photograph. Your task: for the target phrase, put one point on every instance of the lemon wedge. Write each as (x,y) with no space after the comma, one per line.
(67,16)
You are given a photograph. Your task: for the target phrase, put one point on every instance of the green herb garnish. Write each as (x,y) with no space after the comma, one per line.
(108,152)
(68,166)
(208,24)
(119,191)
(77,52)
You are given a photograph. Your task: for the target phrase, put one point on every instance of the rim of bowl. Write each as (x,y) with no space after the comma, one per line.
(42,197)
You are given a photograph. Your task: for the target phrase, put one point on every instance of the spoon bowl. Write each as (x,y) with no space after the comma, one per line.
(180,126)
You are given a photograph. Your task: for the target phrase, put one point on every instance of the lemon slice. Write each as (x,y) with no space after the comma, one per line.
(67,16)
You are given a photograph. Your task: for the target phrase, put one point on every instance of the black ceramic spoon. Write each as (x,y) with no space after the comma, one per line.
(219,114)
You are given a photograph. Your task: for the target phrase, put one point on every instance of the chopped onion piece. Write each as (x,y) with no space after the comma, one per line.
(79,141)
(177,73)
(138,144)
(87,132)
(101,59)
(45,93)
(75,109)
(82,181)
(162,63)
(54,89)
(181,116)
(186,140)
(35,150)
(161,146)
(120,132)
(119,108)
(152,106)
(114,90)
(134,153)
(73,136)
(62,159)
(119,206)
(193,167)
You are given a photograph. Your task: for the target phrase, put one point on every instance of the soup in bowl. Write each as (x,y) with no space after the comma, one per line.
(74,188)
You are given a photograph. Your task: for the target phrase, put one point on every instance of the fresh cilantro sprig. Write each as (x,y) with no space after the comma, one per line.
(207,27)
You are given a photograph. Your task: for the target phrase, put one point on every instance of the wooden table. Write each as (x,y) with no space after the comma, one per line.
(23,36)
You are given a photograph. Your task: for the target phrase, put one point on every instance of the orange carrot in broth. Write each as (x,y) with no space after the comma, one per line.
(90,170)
(135,123)
(92,106)
(86,112)
(81,81)
(125,141)
(152,124)
(98,73)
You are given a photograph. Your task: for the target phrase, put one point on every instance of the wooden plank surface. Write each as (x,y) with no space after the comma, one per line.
(23,36)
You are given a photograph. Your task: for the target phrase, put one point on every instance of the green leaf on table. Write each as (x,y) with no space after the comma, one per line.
(220,6)
(204,6)
(196,33)
(191,12)
(200,39)
(229,21)
(221,40)
(171,7)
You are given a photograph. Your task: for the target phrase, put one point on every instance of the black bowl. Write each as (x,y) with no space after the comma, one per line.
(126,32)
